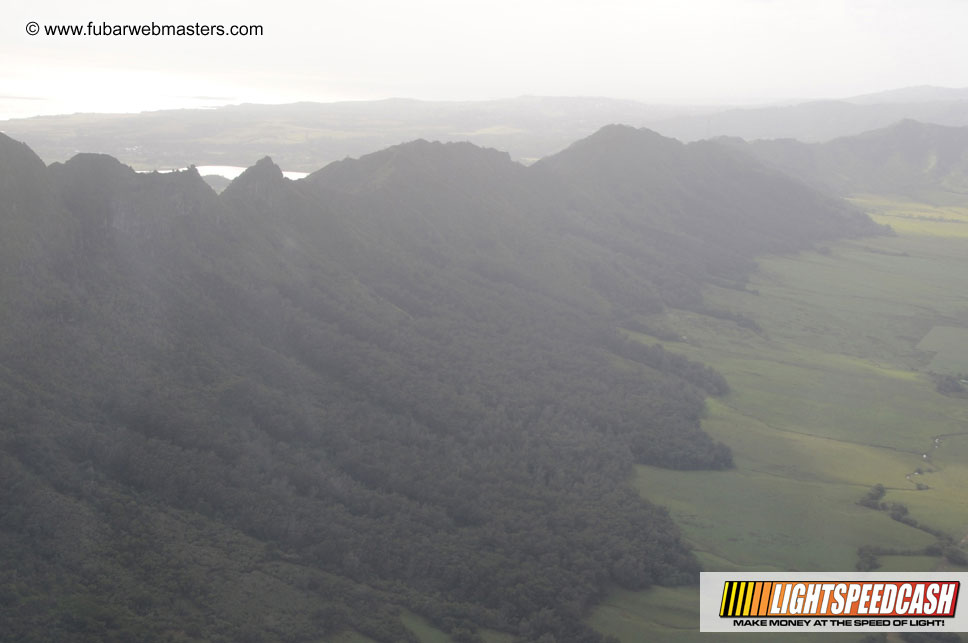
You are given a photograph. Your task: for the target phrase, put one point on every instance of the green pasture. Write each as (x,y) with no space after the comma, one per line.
(950,347)
(427,633)
(755,521)
(670,614)
(423,628)
(911,218)
(833,396)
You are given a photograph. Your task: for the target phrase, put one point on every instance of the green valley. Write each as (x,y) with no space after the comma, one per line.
(832,396)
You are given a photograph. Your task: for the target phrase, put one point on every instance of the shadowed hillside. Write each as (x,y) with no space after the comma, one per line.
(295,408)
(915,160)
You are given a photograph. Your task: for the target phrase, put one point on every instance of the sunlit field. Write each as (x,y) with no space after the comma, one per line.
(832,397)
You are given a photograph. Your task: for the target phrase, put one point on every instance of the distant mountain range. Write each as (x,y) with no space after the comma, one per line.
(919,161)
(909,95)
(819,121)
(305,136)
(297,407)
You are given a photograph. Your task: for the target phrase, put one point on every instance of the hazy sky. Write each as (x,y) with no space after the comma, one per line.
(659,51)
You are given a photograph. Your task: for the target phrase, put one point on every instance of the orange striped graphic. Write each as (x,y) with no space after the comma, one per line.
(746,598)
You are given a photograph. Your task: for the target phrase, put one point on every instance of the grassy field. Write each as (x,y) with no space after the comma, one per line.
(427,633)
(832,397)
(950,347)
(671,614)
(423,630)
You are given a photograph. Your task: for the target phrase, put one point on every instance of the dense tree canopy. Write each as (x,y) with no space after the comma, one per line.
(297,408)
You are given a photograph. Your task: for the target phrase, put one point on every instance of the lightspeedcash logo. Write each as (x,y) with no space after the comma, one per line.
(766,598)
(828,602)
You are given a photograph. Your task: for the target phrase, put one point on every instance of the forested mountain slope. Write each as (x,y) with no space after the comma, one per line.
(293,408)
(919,161)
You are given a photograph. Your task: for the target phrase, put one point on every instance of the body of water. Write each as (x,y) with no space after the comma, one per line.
(228,171)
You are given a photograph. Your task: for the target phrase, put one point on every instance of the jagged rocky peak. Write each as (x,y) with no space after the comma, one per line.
(16,156)
(109,198)
(257,183)
(261,187)
(264,170)
(23,175)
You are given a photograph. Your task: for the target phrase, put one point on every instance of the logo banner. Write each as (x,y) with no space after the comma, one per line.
(831,602)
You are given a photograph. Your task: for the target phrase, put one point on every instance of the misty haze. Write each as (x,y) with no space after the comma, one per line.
(447,331)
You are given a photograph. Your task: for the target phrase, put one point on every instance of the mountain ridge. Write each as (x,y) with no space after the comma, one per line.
(305,136)
(415,392)
(917,160)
